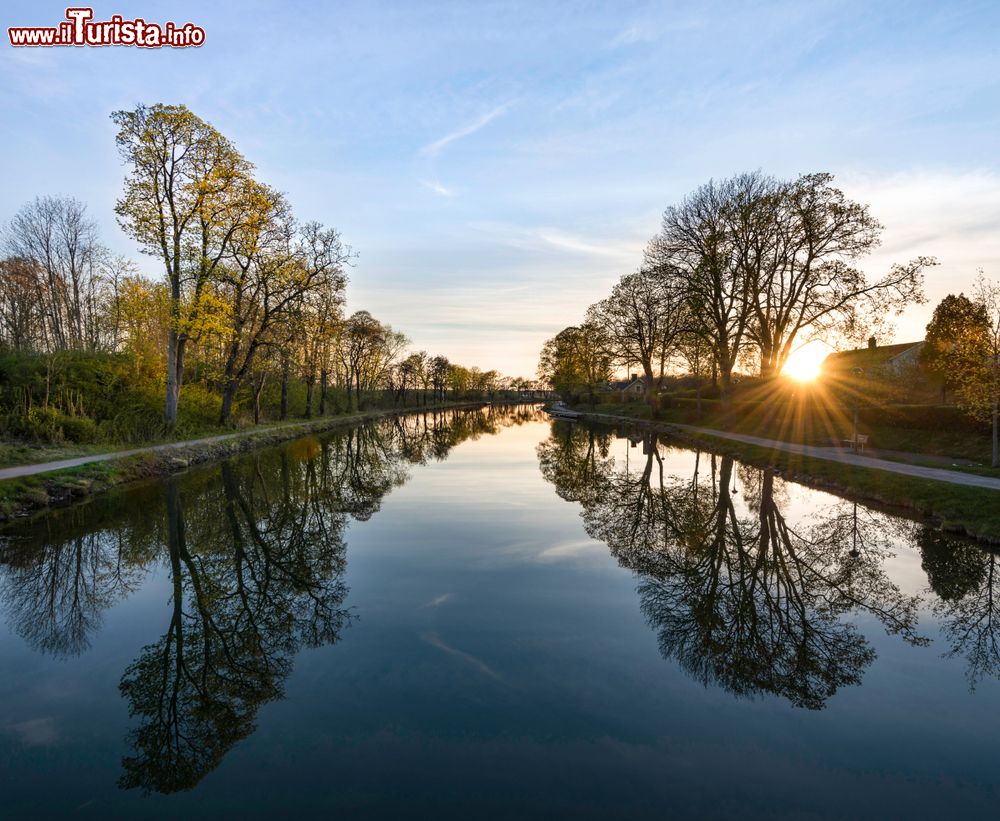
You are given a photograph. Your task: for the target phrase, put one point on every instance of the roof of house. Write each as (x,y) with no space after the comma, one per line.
(622,384)
(867,357)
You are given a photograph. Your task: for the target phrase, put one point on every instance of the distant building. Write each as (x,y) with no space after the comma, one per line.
(632,385)
(876,360)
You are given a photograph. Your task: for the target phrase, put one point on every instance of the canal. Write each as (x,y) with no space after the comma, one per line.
(488,614)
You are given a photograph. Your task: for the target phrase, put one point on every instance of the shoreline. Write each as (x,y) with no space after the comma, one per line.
(931,501)
(38,487)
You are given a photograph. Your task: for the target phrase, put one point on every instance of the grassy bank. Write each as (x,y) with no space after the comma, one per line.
(974,512)
(938,433)
(30,494)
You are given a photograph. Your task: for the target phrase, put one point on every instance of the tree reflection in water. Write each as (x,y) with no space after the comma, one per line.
(255,555)
(965,580)
(740,596)
(59,576)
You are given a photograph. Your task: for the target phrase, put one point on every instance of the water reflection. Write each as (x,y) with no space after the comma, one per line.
(254,555)
(964,579)
(748,598)
(58,577)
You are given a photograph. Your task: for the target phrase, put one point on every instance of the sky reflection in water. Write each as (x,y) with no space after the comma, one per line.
(485,613)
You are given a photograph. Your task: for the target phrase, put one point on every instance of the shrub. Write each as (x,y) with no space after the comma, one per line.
(49,425)
(41,425)
(80,429)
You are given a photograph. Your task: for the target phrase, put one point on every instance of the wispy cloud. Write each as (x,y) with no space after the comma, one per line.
(625,250)
(569,242)
(648,33)
(634,34)
(435,148)
(438,188)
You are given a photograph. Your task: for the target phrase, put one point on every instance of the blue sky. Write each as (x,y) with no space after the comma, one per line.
(498,165)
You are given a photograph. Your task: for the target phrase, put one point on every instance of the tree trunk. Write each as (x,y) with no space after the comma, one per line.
(647,371)
(257,390)
(323,377)
(228,395)
(725,385)
(996,442)
(173,383)
(310,384)
(284,388)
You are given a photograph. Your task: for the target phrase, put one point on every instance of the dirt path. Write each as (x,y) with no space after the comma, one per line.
(830,454)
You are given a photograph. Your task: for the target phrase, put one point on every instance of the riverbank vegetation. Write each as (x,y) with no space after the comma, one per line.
(932,434)
(28,494)
(742,274)
(245,323)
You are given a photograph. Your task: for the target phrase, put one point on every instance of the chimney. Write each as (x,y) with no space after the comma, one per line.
(635,376)
(871,343)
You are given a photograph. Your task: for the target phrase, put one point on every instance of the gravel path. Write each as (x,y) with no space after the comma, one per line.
(46,467)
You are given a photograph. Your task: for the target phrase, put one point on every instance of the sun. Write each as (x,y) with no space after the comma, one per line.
(805,364)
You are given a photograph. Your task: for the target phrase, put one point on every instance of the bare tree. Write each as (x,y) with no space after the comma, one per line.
(642,321)
(58,236)
(797,244)
(21,313)
(694,249)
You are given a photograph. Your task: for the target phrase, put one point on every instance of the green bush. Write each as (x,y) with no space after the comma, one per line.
(139,419)
(41,425)
(80,429)
(198,410)
(49,425)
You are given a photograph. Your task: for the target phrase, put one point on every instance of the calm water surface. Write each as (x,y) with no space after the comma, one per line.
(484,614)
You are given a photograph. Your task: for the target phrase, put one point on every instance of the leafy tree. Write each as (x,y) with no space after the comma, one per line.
(576,361)
(957,326)
(977,362)
(184,199)
(440,369)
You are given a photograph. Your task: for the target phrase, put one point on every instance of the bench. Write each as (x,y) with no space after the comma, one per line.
(857,441)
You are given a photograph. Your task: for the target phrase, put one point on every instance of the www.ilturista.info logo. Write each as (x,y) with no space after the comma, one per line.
(78,29)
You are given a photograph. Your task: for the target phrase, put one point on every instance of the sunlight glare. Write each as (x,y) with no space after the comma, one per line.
(805,363)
